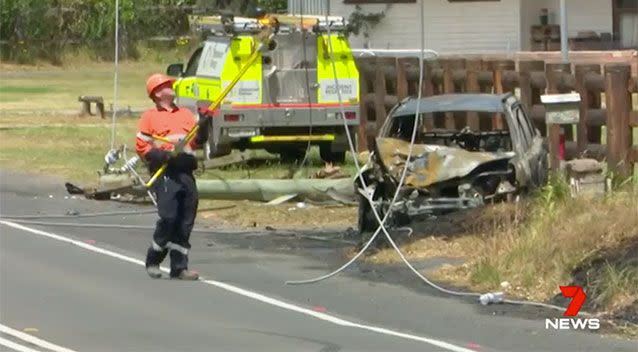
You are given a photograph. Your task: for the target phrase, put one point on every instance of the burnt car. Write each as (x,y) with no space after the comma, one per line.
(453,166)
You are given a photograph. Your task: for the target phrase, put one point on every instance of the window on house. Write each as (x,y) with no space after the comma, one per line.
(625,23)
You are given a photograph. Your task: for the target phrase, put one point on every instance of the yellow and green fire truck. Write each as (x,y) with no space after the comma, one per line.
(287,98)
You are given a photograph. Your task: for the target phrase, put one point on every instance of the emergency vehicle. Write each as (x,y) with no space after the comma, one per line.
(287,98)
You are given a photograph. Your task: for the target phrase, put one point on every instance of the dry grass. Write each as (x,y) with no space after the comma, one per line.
(45,89)
(536,246)
(541,254)
(74,151)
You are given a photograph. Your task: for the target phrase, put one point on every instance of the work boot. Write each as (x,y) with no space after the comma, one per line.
(154,271)
(187,275)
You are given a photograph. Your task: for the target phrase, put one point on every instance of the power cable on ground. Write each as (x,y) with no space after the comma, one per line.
(366,192)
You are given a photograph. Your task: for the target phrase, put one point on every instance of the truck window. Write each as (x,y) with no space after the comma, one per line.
(212,61)
(191,68)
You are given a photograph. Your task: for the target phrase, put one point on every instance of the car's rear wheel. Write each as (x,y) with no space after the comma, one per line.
(211,148)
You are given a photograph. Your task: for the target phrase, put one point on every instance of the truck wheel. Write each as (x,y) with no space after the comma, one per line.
(211,148)
(331,157)
(292,155)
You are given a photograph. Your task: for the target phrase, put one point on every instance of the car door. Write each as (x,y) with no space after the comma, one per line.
(533,152)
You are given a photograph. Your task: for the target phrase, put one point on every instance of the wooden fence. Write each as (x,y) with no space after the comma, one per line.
(386,80)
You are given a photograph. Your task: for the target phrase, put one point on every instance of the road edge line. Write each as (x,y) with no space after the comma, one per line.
(15,346)
(250,294)
(32,340)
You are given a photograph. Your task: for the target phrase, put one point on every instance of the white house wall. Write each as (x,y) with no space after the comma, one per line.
(467,27)
(582,15)
(399,29)
(473,26)
(314,7)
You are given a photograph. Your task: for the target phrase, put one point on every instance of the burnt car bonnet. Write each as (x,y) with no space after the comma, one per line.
(431,163)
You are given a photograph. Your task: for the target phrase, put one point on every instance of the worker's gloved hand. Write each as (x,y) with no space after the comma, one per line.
(183,162)
(204,111)
(156,158)
(203,123)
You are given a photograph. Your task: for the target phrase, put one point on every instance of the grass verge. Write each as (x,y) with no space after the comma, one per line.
(45,89)
(57,146)
(528,249)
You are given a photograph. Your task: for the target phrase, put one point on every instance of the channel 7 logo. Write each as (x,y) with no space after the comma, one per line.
(578,296)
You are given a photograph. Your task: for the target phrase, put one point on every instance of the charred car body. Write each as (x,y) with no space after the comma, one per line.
(452,166)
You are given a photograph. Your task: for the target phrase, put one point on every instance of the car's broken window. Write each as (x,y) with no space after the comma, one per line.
(431,131)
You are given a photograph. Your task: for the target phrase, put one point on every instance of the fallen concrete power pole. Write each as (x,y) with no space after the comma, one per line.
(267,190)
(263,190)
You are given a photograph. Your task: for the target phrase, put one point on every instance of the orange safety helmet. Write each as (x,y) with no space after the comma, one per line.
(156,80)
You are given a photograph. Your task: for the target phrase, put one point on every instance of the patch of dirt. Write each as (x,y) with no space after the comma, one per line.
(253,215)
(590,275)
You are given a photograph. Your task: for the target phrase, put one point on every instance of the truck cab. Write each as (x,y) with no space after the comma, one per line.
(286,99)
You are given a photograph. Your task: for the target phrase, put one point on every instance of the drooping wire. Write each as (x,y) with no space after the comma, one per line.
(367,194)
(115,73)
(307,79)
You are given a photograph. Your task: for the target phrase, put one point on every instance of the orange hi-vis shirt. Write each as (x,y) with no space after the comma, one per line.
(171,124)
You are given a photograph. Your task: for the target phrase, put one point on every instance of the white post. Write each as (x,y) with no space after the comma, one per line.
(563,31)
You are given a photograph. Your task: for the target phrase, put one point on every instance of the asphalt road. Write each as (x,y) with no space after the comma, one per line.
(84,289)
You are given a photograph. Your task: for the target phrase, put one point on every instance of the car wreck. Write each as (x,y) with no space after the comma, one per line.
(452,166)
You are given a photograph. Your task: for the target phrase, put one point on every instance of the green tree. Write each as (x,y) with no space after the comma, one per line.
(33,29)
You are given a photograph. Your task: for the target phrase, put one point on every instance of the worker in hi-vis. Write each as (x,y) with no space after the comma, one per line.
(160,128)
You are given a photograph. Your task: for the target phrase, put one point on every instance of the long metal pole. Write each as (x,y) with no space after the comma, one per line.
(563,31)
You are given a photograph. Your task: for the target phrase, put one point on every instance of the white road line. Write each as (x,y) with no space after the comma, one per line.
(14,346)
(253,295)
(32,339)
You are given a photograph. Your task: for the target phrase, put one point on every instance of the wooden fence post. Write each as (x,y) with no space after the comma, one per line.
(380,89)
(589,100)
(498,67)
(530,95)
(554,74)
(402,78)
(618,101)
(472,86)
(428,90)
(448,88)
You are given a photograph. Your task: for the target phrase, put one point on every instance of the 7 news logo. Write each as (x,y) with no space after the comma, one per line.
(578,297)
